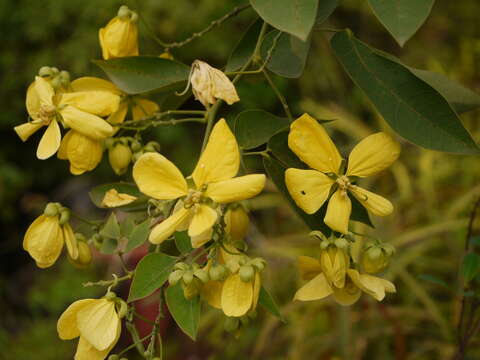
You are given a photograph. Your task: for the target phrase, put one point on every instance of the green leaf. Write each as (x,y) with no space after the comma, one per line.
(127,226)
(139,74)
(111,229)
(98,193)
(138,235)
(470,266)
(255,127)
(433,279)
(412,107)
(109,246)
(244,49)
(325,9)
(402,18)
(183,242)
(151,273)
(460,98)
(186,313)
(289,55)
(295,17)
(266,300)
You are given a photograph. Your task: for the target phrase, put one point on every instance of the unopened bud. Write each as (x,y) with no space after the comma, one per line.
(246,273)
(64,216)
(51,209)
(187,277)
(175,277)
(123,12)
(233,266)
(202,275)
(45,71)
(136,145)
(113,357)
(375,260)
(341,243)
(180,266)
(120,157)
(259,263)
(152,146)
(237,222)
(218,273)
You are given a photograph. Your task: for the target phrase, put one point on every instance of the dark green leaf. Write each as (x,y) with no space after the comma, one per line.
(460,98)
(266,300)
(278,145)
(359,213)
(254,127)
(111,229)
(470,266)
(289,55)
(98,193)
(295,17)
(325,9)
(243,51)
(138,235)
(183,242)
(402,18)
(139,74)
(412,107)
(127,226)
(186,313)
(151,273)
(433,279)
(109,246)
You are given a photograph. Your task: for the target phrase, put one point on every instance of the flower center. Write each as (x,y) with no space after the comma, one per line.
(343,183)
(193,197)
(46,113)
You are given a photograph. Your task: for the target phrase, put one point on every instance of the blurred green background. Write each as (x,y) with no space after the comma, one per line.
(433,192)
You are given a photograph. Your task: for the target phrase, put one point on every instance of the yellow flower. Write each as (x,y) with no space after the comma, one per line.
(319,287)
(120,37)
(83,153)
(209,84)
(80,111)
(311,188)
(113,198)
(45,237)
(334,263)
(96,322)
(237,222)
(213,180)
(238,296)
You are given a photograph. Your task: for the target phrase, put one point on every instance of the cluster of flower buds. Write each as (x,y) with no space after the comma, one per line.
(60,80)
(376,256)
(192,277)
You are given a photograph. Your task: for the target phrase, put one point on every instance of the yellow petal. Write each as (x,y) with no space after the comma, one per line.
(338,212)
(70,241)
(32,102)
(90,83)
(44,91)
(143,108)
(372,285)
(44,240)
(50,141)
(98,323)
(101,103)
(374,203)
(308,188)
(119,116)
(113,198)
(62,150)
(167,227)
(87,124)
(67,323)
(221,158)
(237,296)
(26,130)
(86,351)
(211,292)
(372,155)
(158,177)
(315,289)
(83,152)
(347,295)
(311,143)
(203,219)
(237,222)
(119,38)
(201,239)
(309,267)
(257,285)
(236,189)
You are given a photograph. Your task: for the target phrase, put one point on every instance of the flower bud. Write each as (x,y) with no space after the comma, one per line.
(120,157)
(152,146)
(51,209)
(258,263)
(187,277)
(180,266)
(218,273)
(175,277)
(376,258)
(202,275)
(84,255)
(64,216)
(191,290)
(246,273)
(113,357)
(136,145)
(341,243)
(237,222)
(45,71)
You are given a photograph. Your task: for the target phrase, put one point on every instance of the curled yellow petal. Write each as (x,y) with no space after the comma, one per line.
(44,91)
(86,351)
(372,285)
(98,323)
(372,155)
(50,141)
(201,239)
(311,143)
(374,203)
(221,158)
(308,188)
(236,189)
(119,38)
(67,323)
(338,212)
(70,241)
(316,289)
(334,263)
(237,222)
(309,267)
(348,295)
(237,296)
(87,124)
(158,177)
(211,292)
(143,108)
(32,102)
(202,220)
(83,152)
(167,227)
(26,130)
(113,198)
(96,102)
(90,83)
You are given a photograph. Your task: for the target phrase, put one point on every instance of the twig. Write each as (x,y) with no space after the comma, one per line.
(280,96)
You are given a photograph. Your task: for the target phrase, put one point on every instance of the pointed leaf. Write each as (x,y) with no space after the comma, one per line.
(412,107)
(186,313)
(266,300)
(243,51)
(111,229)
(151,273)
(325,9)
(138,235)
(255,127)
(183,242)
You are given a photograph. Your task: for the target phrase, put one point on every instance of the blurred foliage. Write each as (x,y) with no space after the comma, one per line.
(432,191)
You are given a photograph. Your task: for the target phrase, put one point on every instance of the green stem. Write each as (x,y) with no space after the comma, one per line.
(280,96)
(108,282)
(261,153)
(344,341)
(212,112)
(137,342)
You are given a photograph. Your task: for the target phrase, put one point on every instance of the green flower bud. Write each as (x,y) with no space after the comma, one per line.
(180,266)
(120,157)
(110,296)
(113,357)
(244,320)
(175,277)
(123,12)
(137,155)
(152,146)
(246,273)
(51,209)
(202,275)
(97,241)
(341,243)
(64,78)
(231,324)
(375,259)
(218,273)
(55,70)
(136,145)
(64,216)
(232,266)
(187,277)
(45,71)
(133,17)
(258,263)
(109,142)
